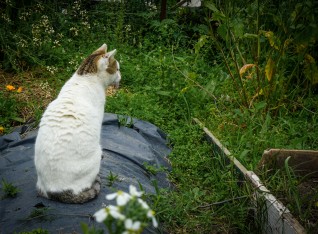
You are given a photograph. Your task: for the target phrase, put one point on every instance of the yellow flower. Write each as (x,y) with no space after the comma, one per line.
(20,89)
(1,129)
(10,87)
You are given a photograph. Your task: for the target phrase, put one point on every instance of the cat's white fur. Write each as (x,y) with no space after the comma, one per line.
(67,149)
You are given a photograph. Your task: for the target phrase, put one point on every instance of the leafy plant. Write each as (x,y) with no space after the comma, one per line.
(10,106)
(125,121)
(9,190)
(87,230)
(264,57)
(36,231)
(40,213)
(111,178)
(153,169)
(130,215)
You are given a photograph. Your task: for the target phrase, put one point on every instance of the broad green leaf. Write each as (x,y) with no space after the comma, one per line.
(250,35)
(210,5)
(238,28)
(222,31)
(260,105)
(192,75)
(269,69)
(164,93)
(201,42)
(244,153)
(218,16)
(18,119)
(180,58)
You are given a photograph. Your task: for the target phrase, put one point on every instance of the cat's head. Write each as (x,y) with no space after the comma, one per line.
(103,64)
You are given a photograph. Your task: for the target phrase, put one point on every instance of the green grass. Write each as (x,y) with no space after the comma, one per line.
(299,193)
(9,190)
(203,181)
(167,81)
(36,231)
(111,179)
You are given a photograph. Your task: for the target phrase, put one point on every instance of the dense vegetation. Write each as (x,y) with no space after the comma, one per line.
(247,70)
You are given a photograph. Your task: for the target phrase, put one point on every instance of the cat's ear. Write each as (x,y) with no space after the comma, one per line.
(102,48)
(111,53)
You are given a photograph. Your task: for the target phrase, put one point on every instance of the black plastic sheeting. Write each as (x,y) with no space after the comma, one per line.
(125,152)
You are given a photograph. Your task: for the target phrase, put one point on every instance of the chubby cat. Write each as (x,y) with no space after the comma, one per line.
(67,149)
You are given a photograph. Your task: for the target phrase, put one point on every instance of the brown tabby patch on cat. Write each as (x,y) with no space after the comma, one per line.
(89,65)
(112,67)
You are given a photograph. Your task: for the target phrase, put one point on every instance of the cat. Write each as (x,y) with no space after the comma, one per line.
(67,148)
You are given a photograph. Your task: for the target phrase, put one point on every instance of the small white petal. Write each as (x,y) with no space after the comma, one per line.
(111,196)
(112,208)
(122,199)
(128,223)
(100,215)
(143,204)
(136,225)
(114,212)
(154,222)
(132,226)
(117,215)
(133,191)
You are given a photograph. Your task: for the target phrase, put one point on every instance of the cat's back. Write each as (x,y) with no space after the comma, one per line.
(80,101)
(74,117)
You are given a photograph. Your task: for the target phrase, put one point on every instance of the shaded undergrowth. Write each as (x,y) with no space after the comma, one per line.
(167,81)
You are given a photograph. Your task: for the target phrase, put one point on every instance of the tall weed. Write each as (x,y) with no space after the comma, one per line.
(267,47)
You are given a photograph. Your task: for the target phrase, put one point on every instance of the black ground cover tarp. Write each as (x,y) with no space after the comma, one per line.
(125,152)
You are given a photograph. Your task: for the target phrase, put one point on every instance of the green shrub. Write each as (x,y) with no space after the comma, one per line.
(268,48)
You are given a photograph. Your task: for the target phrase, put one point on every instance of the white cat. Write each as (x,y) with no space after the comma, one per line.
(67,149)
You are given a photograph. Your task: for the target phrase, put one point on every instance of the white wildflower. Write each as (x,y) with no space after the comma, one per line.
(56,43)
(86,25)
(133,191)
(151,214)
(121,197)
(52,69)
(22,43)
(74,31)
(6,18)
(132,227)
(100,215)
(113,211)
